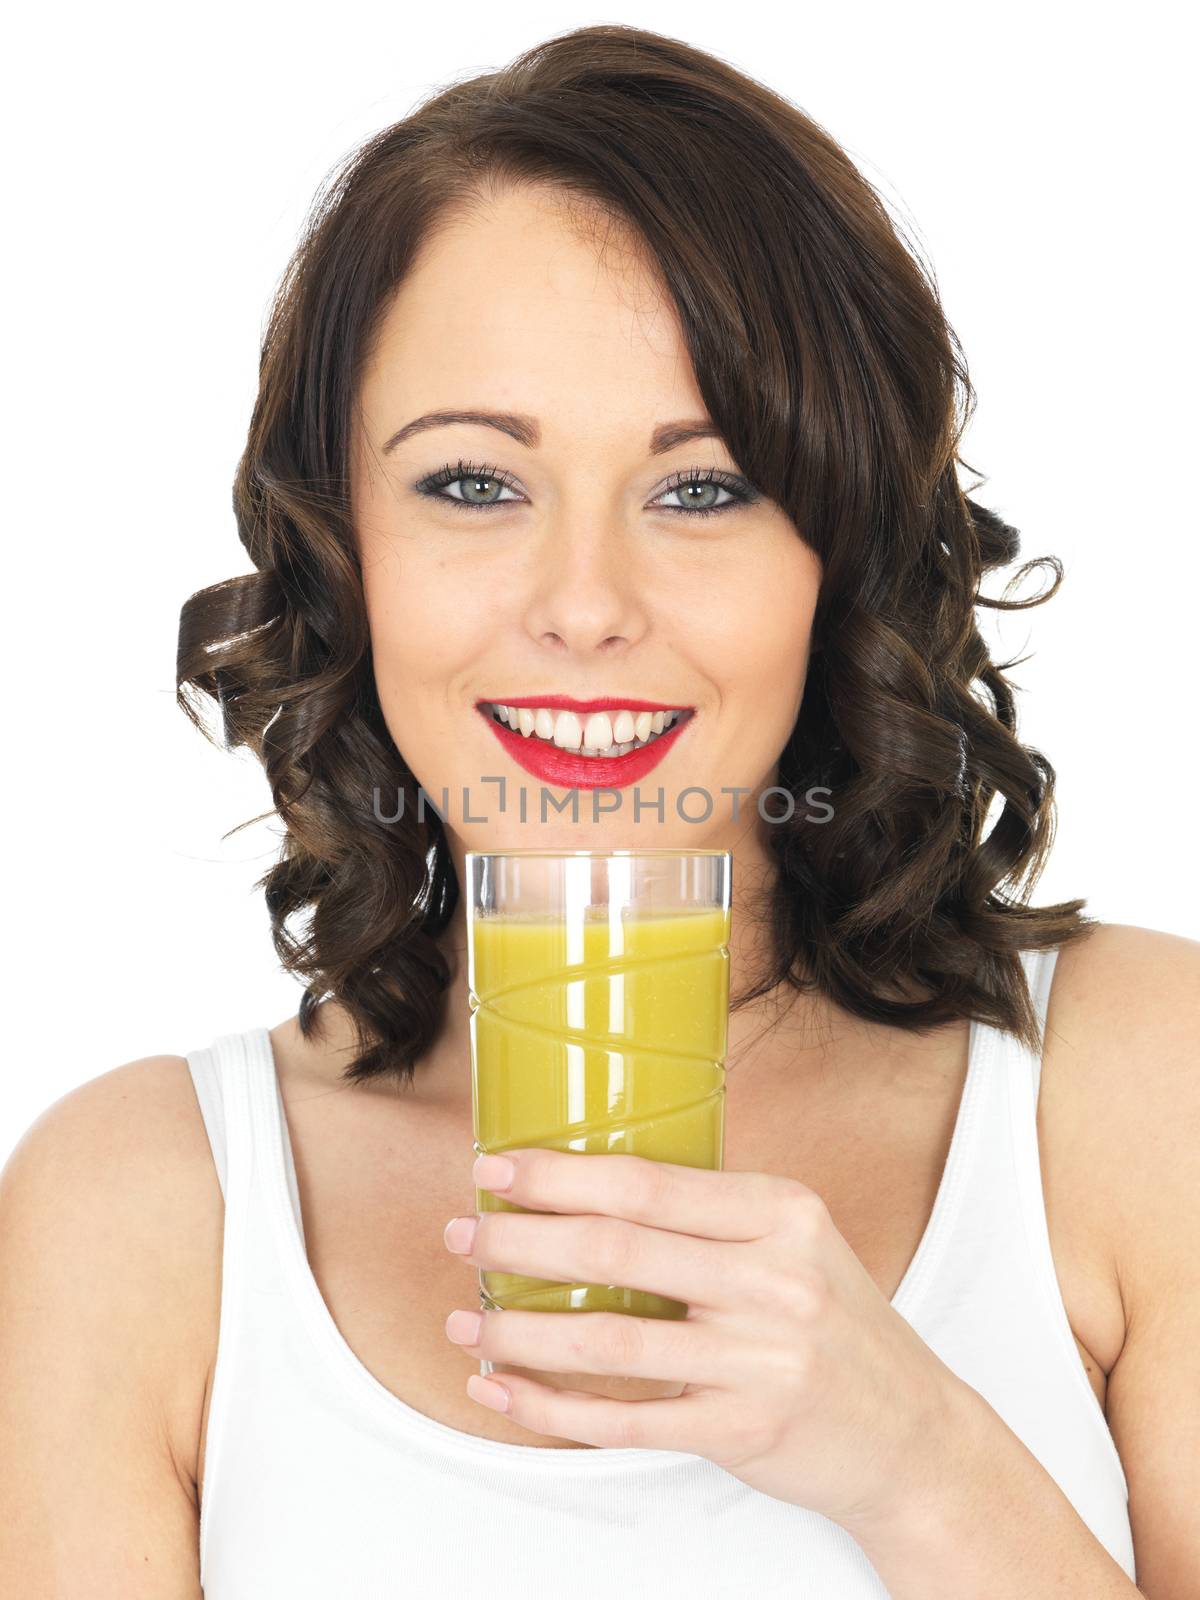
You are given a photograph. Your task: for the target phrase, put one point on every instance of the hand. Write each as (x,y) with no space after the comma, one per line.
(801,1380)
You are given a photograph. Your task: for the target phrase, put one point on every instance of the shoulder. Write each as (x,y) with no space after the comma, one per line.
(118,1141)
(1123,1034)
(1129,979)
(111,1218)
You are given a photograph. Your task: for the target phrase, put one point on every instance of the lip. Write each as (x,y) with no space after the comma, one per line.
(563,768)
(563,702)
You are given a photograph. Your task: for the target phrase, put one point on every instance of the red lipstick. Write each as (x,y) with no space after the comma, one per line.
(567,769)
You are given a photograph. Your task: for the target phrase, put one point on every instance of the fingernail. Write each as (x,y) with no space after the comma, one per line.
(460,1234)
(463,1326)
(494,1395)
(493,1172)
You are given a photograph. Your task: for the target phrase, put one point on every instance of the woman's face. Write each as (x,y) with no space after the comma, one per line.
(567,565)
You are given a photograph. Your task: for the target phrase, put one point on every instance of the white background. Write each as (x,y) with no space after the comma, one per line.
(160,162)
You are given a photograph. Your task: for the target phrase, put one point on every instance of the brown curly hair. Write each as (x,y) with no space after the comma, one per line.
(823,354)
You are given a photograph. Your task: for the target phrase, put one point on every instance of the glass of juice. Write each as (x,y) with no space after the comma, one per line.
(599,995)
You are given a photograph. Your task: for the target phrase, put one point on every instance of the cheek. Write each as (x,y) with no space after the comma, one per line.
(781,648)
(785,604)
(424,624)
(416,654)
(750,627)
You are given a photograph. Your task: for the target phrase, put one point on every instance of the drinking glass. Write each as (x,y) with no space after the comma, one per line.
(599,995)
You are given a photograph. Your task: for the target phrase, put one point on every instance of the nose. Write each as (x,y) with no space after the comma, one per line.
(588,592)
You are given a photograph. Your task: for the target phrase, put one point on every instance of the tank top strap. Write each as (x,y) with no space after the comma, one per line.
(205,1067)
(1039,974)
(241,1102)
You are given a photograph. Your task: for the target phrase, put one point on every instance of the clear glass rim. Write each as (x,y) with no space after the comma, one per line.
(654,850)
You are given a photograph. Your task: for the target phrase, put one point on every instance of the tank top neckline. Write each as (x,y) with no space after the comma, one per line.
(390,1410)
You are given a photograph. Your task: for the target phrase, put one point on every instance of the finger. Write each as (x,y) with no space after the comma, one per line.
(675,1424)
(608,1343)
(735,1206)
(704,1273)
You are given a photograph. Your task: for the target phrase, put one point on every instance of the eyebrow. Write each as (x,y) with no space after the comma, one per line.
(526,430)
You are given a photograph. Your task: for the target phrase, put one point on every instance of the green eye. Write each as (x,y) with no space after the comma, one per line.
(489,480)
(736,488)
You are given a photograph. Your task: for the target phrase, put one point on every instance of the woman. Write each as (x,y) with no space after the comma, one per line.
(605,377)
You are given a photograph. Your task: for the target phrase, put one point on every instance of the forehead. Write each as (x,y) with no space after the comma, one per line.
(521,293)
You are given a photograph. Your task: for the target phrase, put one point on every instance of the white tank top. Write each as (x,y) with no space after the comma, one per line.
(319,1481)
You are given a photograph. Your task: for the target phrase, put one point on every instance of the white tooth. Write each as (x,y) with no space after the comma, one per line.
(502,711)
(622,728)
(625,747)
(568,731)
(641,725)
(669,718)
(543,723)
(656,722)
(525,720)
(512,716)
(597,731)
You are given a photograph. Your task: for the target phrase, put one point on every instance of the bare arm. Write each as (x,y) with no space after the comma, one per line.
(1143,994)
(110,1217)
